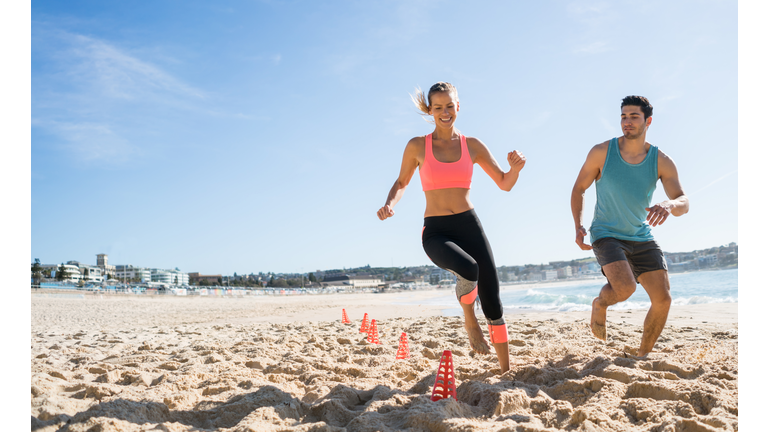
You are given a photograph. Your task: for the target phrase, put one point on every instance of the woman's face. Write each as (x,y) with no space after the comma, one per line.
(444,107)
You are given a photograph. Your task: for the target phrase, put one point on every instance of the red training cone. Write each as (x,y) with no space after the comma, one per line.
(403,352)
(344,317)
(373,333)
(445,382)
(364,326)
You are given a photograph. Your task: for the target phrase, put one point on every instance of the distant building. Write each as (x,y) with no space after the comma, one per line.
(533,277)
(365,281)
(169,277)
(102,262)
(71,271)
(94,273)
(360,281)
(437,274)
(549,275)
(707,260)
(206,279)
(128,272)
(413,279)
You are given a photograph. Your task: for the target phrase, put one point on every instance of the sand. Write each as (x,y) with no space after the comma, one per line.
(133,363)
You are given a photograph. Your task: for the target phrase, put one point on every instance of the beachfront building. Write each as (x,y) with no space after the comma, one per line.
(533,277)
(365,281)
(565,272)
(437,274)
(357,281)
(332,280)
(197,278)
(71,271)
(92,275)
(102,261)
(587,269)
(169,277)
(707,260)
(549,275)
(129,272)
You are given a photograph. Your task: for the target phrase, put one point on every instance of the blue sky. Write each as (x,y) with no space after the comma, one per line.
(263,135)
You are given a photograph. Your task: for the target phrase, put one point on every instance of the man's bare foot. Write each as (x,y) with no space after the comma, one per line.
(597,322)
(476,339)
(642,355)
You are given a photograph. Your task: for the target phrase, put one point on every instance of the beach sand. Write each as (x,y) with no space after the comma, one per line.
(287,363)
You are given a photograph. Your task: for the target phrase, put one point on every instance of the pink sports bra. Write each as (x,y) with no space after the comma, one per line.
(441,175)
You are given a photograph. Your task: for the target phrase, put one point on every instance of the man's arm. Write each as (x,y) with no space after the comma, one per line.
(590,171)
(677,204)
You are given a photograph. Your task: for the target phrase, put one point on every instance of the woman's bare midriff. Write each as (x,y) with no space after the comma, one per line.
(443,202)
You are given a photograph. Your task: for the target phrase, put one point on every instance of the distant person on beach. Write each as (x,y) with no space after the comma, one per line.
(625,171)
(452,236)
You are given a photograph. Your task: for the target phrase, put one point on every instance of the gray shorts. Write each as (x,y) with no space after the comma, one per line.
(641,256)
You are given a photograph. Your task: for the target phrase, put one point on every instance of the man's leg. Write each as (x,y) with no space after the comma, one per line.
(656,284)
(621,285)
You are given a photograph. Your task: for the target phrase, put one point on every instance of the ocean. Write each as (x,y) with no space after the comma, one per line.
(717,286)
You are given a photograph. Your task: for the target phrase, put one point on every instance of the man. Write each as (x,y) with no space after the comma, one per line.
(625,171)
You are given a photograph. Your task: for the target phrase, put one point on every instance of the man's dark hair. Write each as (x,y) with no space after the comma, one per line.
(640,101)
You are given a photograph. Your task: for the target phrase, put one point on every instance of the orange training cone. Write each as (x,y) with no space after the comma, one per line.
(373,333)
(403,352)
(344,317)
(364,326)
(445,382)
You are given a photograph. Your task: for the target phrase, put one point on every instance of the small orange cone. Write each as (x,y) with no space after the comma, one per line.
(364,326)
(373,333)
(344,317)
(445,381)
(403,352)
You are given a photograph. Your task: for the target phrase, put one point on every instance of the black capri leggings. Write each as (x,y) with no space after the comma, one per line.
(457,243)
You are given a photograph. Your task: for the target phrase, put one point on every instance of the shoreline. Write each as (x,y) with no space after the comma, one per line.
(399,304)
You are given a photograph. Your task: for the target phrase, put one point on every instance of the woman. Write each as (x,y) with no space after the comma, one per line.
(452,235)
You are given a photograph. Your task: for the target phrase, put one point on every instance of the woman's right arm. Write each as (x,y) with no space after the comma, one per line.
(407,168)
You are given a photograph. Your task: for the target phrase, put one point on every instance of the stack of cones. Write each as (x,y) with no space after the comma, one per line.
(344,317)
(364,326)
(403,352)
(445,382)
(373,333)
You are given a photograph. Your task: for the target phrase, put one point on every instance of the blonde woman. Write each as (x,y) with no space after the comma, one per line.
(452,236)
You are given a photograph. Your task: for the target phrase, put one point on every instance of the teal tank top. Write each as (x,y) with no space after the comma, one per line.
(624,190)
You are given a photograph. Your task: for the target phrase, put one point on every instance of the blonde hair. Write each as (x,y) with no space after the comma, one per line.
(423,102)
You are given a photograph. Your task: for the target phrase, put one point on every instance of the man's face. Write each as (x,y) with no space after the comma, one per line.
(633,121)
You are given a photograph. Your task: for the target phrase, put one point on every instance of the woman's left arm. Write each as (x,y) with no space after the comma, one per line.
(484,158)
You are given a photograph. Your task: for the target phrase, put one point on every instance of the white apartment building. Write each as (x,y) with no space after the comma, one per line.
(170,277)
(549,274)
(71,271)
(94,274)
(128,272)
(364,281)
(534,276)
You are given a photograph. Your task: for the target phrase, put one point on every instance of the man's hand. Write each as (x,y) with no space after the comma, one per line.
(658,214)
(581,232)
(385,212)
